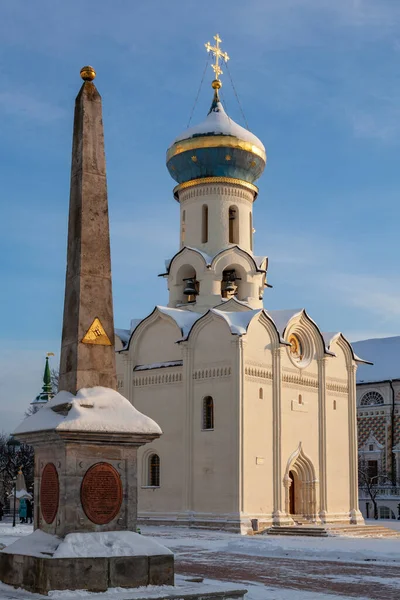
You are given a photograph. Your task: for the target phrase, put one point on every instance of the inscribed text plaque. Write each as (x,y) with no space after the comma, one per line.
(49,493)
(101,493)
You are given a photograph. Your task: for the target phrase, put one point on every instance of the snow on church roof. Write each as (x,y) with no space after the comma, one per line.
(282,317)
(384,353)
(237,321)
(185,319)
(96,409)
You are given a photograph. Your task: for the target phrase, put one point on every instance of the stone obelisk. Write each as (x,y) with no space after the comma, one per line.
(87,348)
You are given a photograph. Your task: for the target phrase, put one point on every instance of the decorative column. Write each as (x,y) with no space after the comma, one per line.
(355,514)
(128,377)
(322,441)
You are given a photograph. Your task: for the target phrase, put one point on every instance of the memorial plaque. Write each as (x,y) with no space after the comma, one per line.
(101,493)
(49,493)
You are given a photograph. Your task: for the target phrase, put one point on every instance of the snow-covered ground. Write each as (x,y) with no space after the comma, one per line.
(280,568)
(347,549)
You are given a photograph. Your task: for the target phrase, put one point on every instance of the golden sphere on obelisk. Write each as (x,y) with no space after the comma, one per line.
(88,73)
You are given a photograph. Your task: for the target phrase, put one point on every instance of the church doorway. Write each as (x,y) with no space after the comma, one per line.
(292,494)
(300,486)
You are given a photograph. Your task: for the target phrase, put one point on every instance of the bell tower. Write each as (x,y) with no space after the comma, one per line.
(215,165)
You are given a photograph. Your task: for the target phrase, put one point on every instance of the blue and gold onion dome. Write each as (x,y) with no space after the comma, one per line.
(217,147)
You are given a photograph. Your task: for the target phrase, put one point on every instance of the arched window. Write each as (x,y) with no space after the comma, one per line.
(208,413)
(204,224)
(371,398)
(233,225)
(261,393)
(251,231)
(154,470)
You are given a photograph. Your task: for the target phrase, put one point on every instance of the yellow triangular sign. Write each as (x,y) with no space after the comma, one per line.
(96,334)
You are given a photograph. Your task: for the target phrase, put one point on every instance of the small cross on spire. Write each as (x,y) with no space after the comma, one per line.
(217,53)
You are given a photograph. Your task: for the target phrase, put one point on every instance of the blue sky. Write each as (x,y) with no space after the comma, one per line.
(319,82)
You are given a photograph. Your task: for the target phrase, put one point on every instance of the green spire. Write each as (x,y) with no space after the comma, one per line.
(47,378)
(47,390)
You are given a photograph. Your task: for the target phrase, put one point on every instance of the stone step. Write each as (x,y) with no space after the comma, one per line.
(370,531)
(295,530)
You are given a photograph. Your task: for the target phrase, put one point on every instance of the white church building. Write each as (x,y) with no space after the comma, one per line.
(257,407)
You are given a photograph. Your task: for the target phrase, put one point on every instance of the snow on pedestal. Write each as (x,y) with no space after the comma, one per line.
(86,498)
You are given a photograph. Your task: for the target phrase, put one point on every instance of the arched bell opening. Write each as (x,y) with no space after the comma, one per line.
(232,284)
(189,285)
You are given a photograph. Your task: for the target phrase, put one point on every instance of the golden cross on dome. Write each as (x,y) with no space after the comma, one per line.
(217,52)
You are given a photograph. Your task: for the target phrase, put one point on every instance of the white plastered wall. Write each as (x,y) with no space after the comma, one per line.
(155,341)
(215,454)
(258,422)
(338,455)
(219,198)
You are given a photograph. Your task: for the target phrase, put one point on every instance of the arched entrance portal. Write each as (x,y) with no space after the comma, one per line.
(300,486)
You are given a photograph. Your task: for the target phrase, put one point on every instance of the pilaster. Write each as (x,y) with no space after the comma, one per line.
(239,344)
(128,376)
(322,440)
(187,487)
(355,514)
(279,514)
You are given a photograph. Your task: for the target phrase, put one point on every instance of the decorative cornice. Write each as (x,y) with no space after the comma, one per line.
(162,379)
(300,380)
(189,195)
(257,372)
(214,180)
(336,388)
(212,373)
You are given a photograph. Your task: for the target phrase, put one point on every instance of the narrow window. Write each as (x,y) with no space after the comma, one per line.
(334,405)
(204,230)
(371,447)
(183,228)
(300,399)
(208,413)
(233,225)
(251,231)
(154,470)
(261,393)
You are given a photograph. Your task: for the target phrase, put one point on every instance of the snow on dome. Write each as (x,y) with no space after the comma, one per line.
(217,122)
(96,409)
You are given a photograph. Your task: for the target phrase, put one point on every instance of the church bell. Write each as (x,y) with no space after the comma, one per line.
(190,287)
(230,287)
